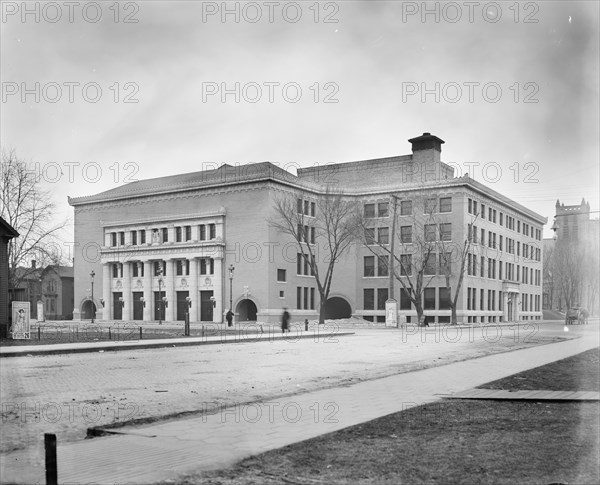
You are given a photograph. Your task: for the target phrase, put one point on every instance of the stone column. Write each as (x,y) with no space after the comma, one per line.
(171,233)
(127,299)
(148,293)
(195,232)
(194,295)
(107,239)
(107,291)
(218,291)
(169,287)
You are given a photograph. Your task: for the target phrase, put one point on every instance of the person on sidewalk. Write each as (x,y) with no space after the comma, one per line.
(285,319)
(229,318)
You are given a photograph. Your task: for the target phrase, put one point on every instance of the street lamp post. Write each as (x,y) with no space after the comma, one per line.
(231,269)
(92,274)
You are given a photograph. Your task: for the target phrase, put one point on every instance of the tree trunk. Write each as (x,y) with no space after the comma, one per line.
(322,312)
(453,318)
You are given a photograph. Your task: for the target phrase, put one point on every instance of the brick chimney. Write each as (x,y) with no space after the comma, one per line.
(426,148)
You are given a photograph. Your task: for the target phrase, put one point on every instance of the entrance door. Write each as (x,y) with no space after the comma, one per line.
(117,307)
(138,306)
(159,310)
(206,306)
(182,304)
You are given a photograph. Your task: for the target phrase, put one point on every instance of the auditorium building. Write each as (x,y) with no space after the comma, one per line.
(202,242)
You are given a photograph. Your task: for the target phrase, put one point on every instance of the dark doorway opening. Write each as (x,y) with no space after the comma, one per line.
(246,310)
(337,307)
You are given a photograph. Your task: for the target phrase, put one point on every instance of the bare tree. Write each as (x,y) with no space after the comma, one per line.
(413,262)
(30,210)
(325,236)
(568,270)
(453,263)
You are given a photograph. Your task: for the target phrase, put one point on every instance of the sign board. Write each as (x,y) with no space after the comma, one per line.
(391,313)
(40,311)
(20,320)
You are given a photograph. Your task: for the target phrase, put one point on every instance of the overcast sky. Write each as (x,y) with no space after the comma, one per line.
(374,58)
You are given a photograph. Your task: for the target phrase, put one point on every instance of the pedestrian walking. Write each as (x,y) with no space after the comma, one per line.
(229,318)
(285,319)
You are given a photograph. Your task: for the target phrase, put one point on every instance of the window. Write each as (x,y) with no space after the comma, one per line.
(406,264)
(383,235)
(468,299)
(142,236)
(501,219)
(369,210)
(470,206)
(446,231)
(444,297)
(383,264)
(135,268)
(429,299)
(281,294)
(482,211)
(481,296)
(406,208)
(369,236)
(406,234)
(312,211)
(475,207)
(188,233)
(446,204)
(312,298)
(306,207)
(281,276)
(212,231)
(207,266)
(429,268)
(405,303)
(178,234)
(182,267)
(446,263)
(482,267)
(490,213)
(158,268)
(202,232)
(369,299)
(122,238)
(369,266)
(383,209)
(382,296)
(299,206)
(430,235)
(133,236)
(482,241)
(299,297)
(165,234)
(430,206)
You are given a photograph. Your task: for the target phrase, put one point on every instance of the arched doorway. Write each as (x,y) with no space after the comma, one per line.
(88,309)
(337,307)
(246,310)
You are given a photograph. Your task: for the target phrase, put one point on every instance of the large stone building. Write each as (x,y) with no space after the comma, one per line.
(152,245)
(576,237)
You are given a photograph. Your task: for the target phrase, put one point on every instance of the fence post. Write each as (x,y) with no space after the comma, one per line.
(51,464)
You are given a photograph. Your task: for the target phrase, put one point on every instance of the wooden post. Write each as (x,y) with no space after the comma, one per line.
(51,463)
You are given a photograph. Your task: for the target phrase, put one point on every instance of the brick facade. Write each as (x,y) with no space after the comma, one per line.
(175,237)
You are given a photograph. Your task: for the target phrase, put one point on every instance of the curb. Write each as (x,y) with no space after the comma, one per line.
(154,344)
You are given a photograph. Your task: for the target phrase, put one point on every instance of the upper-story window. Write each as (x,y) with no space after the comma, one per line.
(406,208)
(369,210)
(383,209)
(122,238)
(142,236)
(445,204)
(178,234)
(113,239)
(165,235)
(430,206)
(134,238)
(188,233)
(306,207)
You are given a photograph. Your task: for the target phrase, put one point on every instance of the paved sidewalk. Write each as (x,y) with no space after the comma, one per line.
(163,451)
(114,345)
